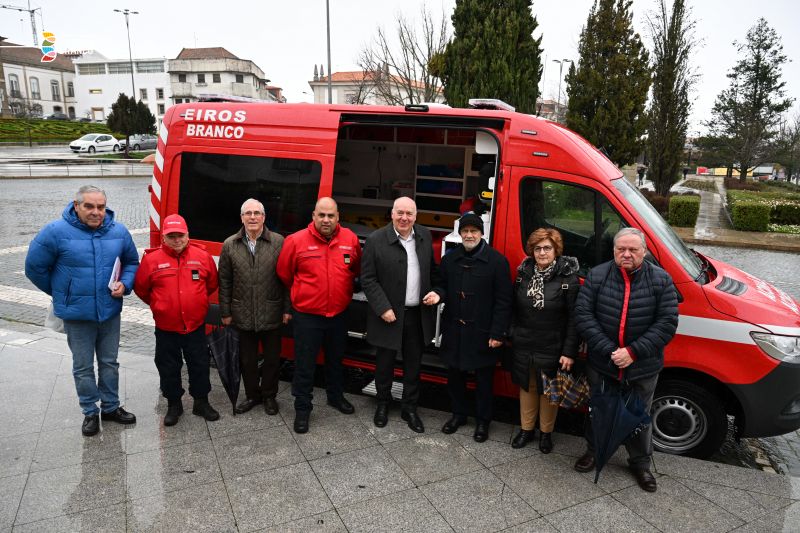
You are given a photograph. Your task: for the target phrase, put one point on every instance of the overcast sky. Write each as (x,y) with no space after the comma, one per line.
(286,38)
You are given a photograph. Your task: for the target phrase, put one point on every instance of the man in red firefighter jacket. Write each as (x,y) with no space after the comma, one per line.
(176,280)
(319,264)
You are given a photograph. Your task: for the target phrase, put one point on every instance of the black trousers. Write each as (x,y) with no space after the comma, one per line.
(171,349)
(312,332)
(457,388)
(640,447)
(260,382)
(411,352)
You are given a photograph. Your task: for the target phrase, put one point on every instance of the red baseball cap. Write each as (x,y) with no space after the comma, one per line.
(174,224)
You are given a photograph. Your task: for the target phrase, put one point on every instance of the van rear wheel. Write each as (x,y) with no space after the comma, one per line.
(687,419)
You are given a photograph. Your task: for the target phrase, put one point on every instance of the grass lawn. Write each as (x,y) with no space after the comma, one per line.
(700,185)
(37,130)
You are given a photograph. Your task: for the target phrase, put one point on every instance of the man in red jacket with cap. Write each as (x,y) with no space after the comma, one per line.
(318,264)
(176,280)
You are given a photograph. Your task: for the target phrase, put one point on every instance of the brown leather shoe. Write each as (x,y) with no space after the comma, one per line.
(585,462)
(645,479)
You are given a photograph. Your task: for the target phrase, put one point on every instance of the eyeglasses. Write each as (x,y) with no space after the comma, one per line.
(542,249)
(252,214)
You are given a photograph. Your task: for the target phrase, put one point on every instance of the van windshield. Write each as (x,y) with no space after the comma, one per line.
(690,262)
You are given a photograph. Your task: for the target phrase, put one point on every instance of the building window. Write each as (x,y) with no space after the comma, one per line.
(159,93)
(240,78)
(70,89)
(142,94)
(178,100)
(216,77)
(14,81)
(119,68)
(71,112)
(201,78)
(150,66)
(92,68)
(56,90)
(35,93)
(57,109)
(182,78)
(95,91)
(161,109)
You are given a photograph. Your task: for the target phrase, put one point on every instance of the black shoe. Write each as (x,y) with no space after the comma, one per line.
(204,409)
(452,425)
(381,417)
(585,462)
(546,442)
(271,406)
(522,439)
(342,405)
(120,416)
(174,412)
(246,406)
(91,425)
(645,479)
(301,422)
(413,420)
(481,432)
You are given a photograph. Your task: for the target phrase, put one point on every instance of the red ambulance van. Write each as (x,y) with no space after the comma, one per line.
(737,350)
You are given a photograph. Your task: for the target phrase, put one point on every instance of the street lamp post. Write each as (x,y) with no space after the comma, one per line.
(126,12)
(330,74)
(560,69)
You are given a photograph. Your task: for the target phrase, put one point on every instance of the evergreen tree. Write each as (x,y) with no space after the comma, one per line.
(493,54)
(748,112)
(608,88)
(130,117)
(669,106)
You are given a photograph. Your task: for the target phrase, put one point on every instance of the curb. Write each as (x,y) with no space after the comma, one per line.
(777,242)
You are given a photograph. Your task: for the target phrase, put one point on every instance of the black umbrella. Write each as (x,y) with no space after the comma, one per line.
(617,413)
(223,343)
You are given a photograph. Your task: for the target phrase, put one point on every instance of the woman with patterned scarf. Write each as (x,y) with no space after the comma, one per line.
(544,337)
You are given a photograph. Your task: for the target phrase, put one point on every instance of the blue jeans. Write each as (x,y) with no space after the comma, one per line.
(86,338)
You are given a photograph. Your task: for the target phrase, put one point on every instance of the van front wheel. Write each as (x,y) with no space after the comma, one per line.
(687,419)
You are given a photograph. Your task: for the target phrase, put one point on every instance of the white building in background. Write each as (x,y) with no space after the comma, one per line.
(360,87)
(99,82)
(30,87)
(201,71)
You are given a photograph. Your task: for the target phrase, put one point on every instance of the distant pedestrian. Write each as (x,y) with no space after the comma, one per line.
(319,264)
(253,299)
(87,261)
(175,280)
(475,285)
(685,173)
(641,171)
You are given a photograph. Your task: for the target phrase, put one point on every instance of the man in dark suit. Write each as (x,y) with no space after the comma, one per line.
(397,269)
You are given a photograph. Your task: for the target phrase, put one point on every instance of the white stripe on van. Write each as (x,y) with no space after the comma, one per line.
(163,133)
(159,161)
(783,330)
(154,216)
(156,186)
(720,330)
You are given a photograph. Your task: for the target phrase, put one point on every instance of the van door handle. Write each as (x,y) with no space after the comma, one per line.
(437,337)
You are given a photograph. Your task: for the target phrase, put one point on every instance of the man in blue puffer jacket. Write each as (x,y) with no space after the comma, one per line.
(73,259)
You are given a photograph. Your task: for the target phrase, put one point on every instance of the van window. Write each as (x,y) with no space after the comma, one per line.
(214,186)
(586,221)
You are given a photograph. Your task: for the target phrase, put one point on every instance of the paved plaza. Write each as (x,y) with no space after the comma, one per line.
(252,473)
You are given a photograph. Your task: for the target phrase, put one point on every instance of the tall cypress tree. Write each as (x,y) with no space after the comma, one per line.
(493,54)
(672,79)
(608,88)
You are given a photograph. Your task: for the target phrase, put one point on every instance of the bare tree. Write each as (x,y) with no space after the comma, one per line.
(399,73)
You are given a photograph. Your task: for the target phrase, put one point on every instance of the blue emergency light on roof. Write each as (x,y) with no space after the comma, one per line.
(490,103)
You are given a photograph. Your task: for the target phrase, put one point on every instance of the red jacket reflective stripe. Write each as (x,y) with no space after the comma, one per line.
(166,282)
(624,316)
(318,272)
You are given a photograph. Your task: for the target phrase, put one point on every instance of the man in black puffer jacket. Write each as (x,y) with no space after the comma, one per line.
(627,311)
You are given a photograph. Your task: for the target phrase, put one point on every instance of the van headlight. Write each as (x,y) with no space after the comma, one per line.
(782,347)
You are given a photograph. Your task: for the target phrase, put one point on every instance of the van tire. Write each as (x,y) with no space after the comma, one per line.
(687,419)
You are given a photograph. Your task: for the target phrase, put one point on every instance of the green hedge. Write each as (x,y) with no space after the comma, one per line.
(683,210)
(750,216)
(17,130)
(783,207)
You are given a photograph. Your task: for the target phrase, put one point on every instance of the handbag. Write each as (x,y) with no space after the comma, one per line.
(51,321)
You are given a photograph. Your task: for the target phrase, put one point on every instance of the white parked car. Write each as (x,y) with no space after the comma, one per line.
(140,142)
(95,142)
